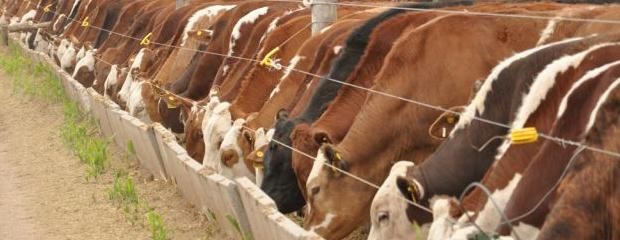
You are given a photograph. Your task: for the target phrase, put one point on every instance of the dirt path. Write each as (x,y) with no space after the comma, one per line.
(44,194)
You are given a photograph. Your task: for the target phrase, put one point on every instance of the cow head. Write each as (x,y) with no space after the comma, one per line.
(328,215)
(280,181)
(388,216)
(308,142)
(237,142)
(194,143)
(214,127)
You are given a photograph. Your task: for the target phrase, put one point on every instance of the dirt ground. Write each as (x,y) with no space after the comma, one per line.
(44,193)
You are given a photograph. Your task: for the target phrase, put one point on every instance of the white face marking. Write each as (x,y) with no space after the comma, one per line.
(62,47)
(88,62)
(263,138)
(317,166)
(328,220)
(230,142)
(28,16)
(207,12)
(287,71)
(249,18)
(129,83)
(213,130)
(135,104)
(81,54)
(111,79)
(389,205)
(68,59)
(477,104)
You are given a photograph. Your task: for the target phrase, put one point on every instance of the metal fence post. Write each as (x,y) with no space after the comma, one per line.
(323,14)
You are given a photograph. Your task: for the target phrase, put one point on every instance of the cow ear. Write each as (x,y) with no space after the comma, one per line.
(321,137)
(441,128)
(249,136)
(408,188)
(334,159)
(282,115)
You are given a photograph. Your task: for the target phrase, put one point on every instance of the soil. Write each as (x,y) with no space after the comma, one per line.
(44,193)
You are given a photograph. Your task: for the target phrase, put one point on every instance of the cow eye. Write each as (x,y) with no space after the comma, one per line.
(315,190)
(383,216)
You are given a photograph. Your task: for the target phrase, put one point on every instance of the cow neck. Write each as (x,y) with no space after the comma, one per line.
(344,65)
(203,77)
(255,88)
(574,124)
(517,159)
(506,86)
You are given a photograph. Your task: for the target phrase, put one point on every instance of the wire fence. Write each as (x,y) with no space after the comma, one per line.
(278,66)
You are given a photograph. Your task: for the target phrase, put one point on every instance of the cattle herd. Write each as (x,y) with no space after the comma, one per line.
(458,120)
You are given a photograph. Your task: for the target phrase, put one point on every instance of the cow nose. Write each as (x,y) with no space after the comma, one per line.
(229,158)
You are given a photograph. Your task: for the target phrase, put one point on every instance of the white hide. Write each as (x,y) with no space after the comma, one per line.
(111,79)
(230,143)
(287,71)
(587,77)
(88,62)
(208,12)
(68,58)
(249,18)
(125,91)
(388,201)
(213,128)
(477,104)
(489,217)
(542,84)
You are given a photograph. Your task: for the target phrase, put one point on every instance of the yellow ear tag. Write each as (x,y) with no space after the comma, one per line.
(338,156)
(267,60)
(146,40)
(260,154)
(199,33)
(450,119)
(47,8)
(171,102)
(524,135)
(85,22)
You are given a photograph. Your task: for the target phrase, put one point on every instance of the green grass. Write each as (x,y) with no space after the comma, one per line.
(80,133)
(156,224)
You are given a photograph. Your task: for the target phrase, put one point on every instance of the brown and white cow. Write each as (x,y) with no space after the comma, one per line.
(458,150)
(502,178)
